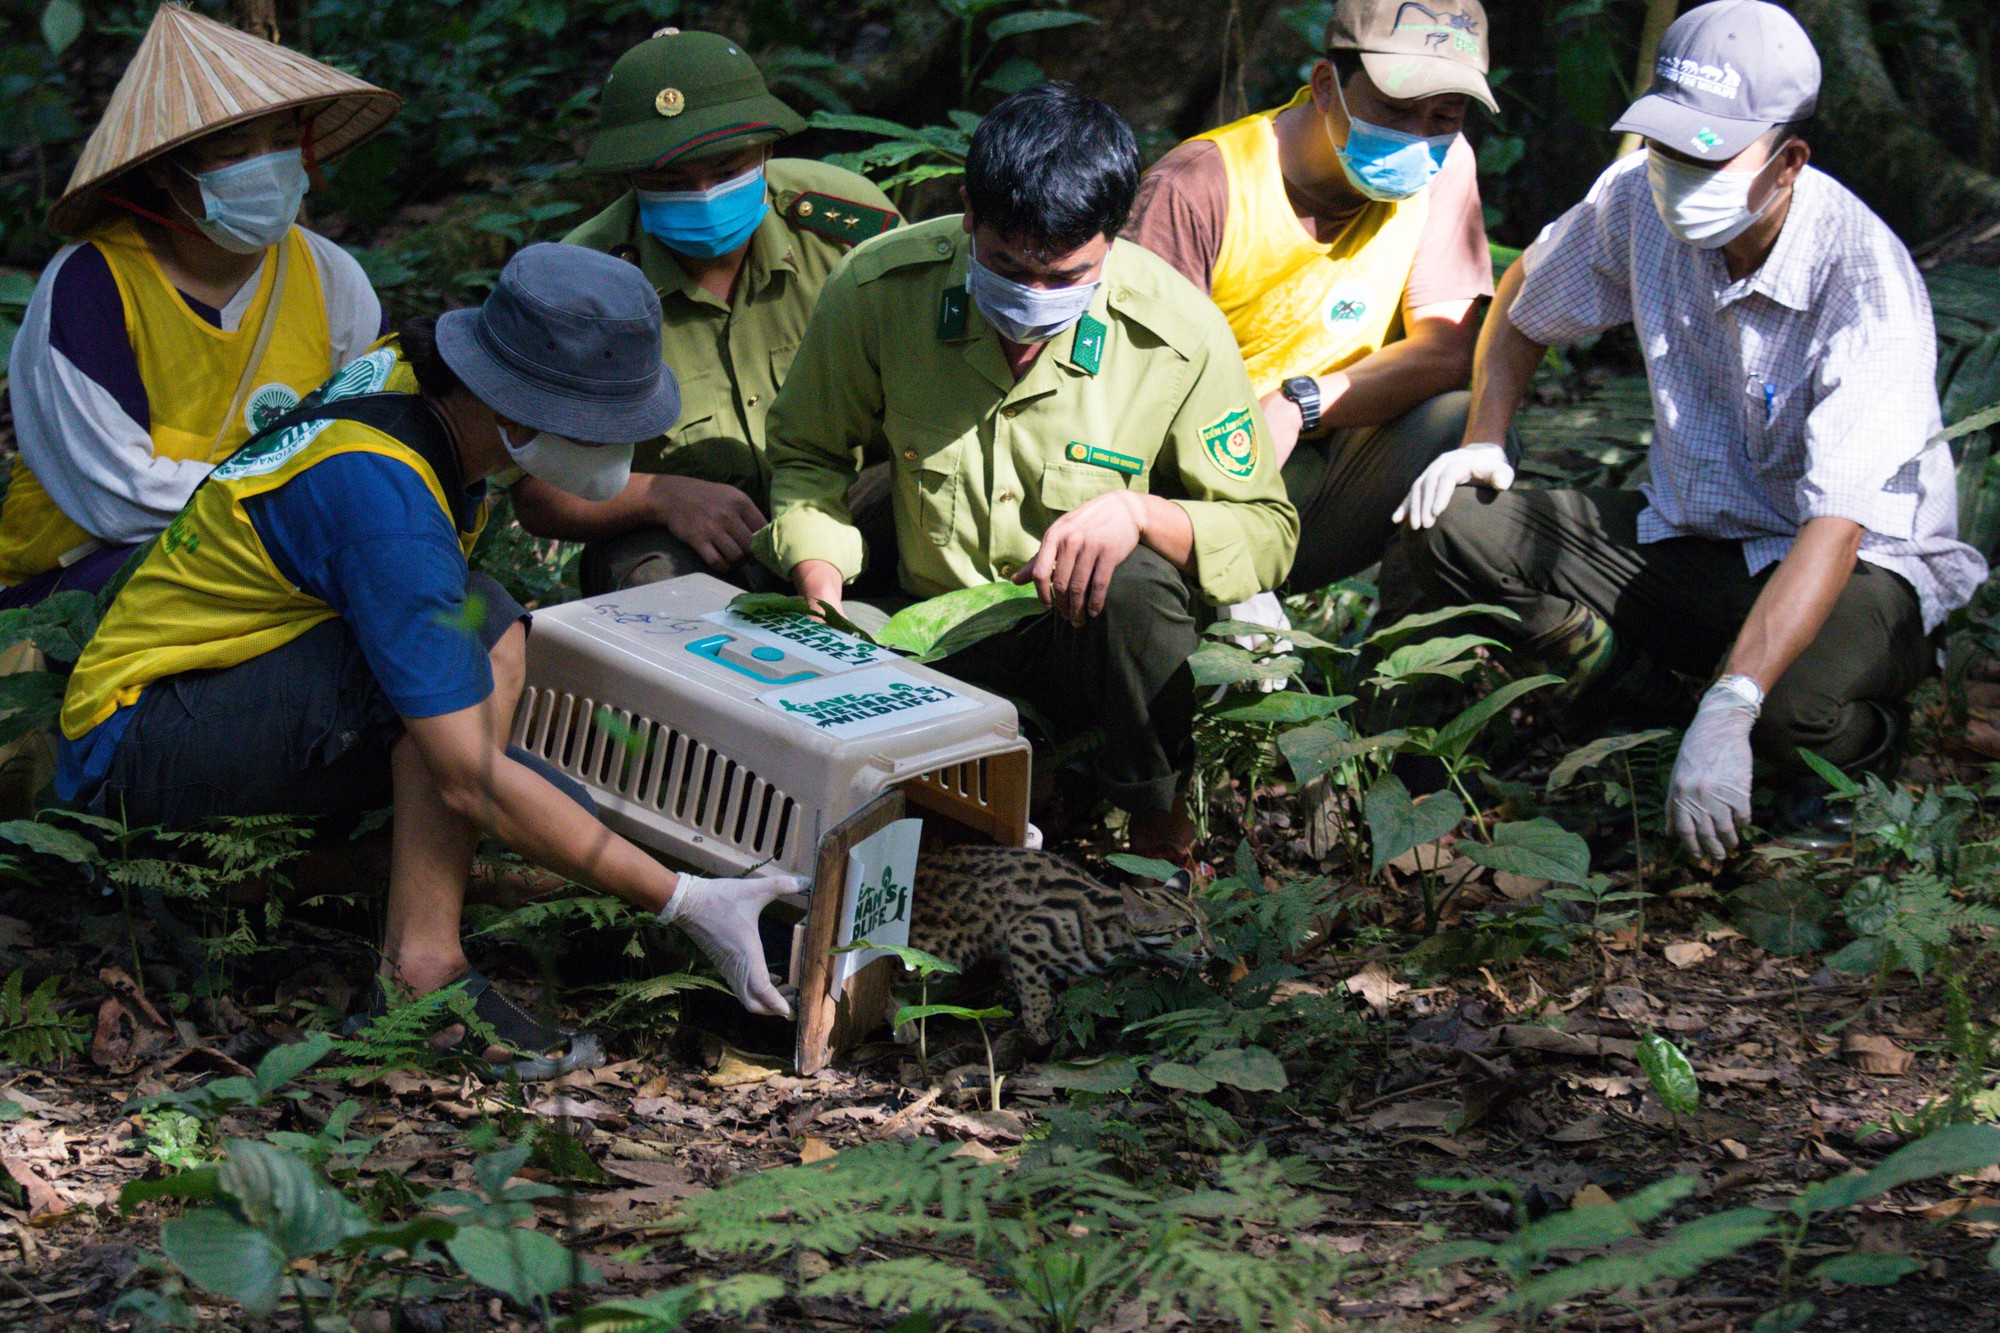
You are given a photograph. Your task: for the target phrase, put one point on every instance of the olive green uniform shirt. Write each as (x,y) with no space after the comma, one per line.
(730,359)
(1146,393)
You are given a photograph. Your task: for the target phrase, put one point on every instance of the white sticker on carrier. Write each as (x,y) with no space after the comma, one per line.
(860,703)
(803,638)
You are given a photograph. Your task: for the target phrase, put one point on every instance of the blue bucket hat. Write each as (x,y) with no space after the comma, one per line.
(568,343)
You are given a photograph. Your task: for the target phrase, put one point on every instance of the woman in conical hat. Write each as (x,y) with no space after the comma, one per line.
(191,309)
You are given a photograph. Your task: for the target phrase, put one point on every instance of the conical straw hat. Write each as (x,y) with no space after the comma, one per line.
(193,76)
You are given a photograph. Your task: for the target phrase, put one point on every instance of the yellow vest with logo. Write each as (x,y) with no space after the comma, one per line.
(190,370)
(1297,306)
(208,595)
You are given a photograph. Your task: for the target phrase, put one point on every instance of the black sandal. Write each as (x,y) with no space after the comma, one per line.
(545,1051)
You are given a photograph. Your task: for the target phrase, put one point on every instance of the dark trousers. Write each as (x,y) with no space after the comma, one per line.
(1544,553)
(301,730)
(89,574)
(1125,671)
(1347,483)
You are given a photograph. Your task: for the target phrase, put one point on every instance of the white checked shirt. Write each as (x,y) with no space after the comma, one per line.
(1806,390)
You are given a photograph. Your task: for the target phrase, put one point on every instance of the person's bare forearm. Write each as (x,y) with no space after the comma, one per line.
(818,581)
(530,815)
(1434,357)
(1166,528)
(558,516)
(1792,609)
(1502,368)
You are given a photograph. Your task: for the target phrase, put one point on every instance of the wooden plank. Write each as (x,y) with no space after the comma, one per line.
(827,1021)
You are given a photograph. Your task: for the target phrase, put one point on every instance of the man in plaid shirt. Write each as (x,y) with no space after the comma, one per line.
(1797,543)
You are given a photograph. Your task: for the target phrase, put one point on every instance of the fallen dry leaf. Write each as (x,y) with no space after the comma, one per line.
(130,1030)
(1687,953)
(1374,984)
(1587,1130)
(814,1149)
(574,1108)
(1519,888)
(1424,1113)
(1592,1196)
(45,1202)
(736,1069)
(1874,1055)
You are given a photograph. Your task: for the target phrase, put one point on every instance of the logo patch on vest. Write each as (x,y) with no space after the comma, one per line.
(1346,306)
(268,402)
(364,374)
(1231,444)
(272,452)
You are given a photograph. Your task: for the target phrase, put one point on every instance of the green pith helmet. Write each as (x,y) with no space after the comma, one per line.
(684,95)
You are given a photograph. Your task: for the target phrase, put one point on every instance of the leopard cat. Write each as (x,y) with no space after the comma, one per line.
(1042,919)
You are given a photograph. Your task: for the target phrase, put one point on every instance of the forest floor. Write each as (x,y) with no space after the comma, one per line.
(1521,1071)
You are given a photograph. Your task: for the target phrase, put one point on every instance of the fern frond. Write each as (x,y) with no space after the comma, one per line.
(668,1311)
(915,1285)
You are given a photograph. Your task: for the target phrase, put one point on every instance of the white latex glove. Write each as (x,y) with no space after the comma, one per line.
(1709,798)
(1263,609)
(1467,465)
(721,915)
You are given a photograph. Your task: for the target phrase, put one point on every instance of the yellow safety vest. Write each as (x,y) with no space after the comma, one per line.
(1297,306)
(208,595)
(190,370)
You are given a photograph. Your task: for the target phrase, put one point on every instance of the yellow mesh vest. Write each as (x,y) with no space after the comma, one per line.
(190,370)
(207,594)
(1298,307)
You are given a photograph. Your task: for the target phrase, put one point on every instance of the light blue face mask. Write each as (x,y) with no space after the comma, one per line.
(1024,314)
(1386,165)
(706,223)
(249,205)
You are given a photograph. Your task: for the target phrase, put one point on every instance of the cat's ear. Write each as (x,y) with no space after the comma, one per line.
(1181,885)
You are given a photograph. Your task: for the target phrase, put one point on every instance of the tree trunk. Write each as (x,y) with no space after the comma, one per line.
(1866,136)
(258,17)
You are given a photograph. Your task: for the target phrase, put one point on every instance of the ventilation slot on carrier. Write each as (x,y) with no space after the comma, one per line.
(966,781)
(649,763)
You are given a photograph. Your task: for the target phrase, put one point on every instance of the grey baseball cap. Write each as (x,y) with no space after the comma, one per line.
(569,343)
(1727,73)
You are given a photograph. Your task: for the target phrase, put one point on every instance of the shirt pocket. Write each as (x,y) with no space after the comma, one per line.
(1067,486)
(928,461)
(1774,425)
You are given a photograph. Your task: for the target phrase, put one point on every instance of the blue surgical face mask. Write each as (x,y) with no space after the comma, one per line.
(249,205)
(1026,314)
(706,223)
(1384,164)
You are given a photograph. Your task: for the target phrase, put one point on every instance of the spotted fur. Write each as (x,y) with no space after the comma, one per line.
(1044,921)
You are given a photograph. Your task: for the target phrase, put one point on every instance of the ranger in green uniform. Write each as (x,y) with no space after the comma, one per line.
(738,245)
(1058,407)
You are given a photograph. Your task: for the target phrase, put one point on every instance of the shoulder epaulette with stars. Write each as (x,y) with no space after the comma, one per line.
(840,219)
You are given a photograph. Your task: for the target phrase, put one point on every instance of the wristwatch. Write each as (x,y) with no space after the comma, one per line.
(1303,390)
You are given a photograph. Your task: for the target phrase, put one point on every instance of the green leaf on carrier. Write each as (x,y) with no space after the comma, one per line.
(525,1265)
(771,603)
(940,626)
(1251,1068)
(1784,917)
(1867,1270)
(1322,746)
(1396,823)
(1536,848)
(1670,1073)
(1597,752)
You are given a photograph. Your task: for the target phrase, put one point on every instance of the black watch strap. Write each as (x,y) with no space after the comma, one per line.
(1304,390)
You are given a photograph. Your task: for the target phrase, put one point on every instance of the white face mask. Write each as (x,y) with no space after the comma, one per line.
(1024,314)
(588,471)
(250,205)
(1707,209)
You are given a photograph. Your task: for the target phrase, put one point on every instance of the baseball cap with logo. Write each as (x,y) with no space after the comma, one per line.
(1727,72)
(1416,48)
